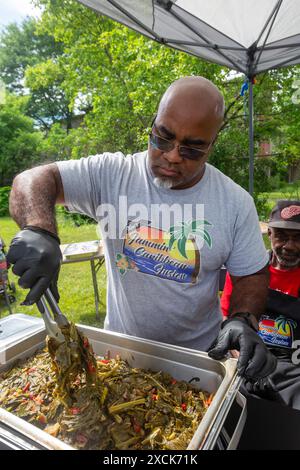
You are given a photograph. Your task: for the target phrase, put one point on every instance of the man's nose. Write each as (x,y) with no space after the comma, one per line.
(173,156)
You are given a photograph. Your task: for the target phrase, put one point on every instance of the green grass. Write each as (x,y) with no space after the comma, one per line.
(289,191)
(75,280)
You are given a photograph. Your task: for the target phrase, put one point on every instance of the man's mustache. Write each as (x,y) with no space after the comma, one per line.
(287,257)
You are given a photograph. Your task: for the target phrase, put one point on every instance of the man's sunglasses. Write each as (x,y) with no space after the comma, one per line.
(165,145)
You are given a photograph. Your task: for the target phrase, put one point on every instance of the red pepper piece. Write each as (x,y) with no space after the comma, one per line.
(75,411)
(91,368)
(38,400)
(26,388)
(81,439)
(86,343)
(209,400)
(174,381)
(105,361)
(183,406)
(42,419)
(137,428)
(154,397)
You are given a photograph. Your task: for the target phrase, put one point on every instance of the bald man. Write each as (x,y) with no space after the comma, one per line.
(169,221)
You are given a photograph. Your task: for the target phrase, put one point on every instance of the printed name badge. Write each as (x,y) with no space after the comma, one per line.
(277,331)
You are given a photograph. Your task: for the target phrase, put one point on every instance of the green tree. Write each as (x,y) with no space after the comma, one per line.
(287,109)
(121,76)
(22,47)
(20,141)
(117,73)
(276,120)
(29,66)
(118,76)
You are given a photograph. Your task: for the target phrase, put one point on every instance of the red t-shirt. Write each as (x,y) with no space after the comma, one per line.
(286,281)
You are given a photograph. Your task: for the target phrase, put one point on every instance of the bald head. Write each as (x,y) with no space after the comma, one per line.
(189,116)
(198,96)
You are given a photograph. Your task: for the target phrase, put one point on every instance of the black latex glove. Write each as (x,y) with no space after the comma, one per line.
(36,256)
(255,361)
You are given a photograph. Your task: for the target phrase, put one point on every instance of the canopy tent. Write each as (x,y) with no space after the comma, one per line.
(247,36)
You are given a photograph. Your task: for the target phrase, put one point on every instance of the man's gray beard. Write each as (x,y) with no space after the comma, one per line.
(165,183)
(285,263)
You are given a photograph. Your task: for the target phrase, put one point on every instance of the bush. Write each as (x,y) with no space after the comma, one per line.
(77,219)
(4,198)
(20,141)
(263,206)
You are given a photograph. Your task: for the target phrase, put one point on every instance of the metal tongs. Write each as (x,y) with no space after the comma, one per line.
(53,323)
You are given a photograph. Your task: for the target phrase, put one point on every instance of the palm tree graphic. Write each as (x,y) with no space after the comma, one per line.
(284,324)
(188,231)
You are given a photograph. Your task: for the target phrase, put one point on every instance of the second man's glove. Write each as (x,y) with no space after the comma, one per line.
(255,360)
(36,256)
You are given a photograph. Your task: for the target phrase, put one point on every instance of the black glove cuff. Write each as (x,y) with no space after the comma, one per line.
(249,318)
(43,231)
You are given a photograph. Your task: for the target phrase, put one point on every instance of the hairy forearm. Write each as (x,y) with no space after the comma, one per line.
(249,293)
(33,197)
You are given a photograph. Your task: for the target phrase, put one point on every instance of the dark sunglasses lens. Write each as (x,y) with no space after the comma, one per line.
(190,153)
(185,152)
(160,143)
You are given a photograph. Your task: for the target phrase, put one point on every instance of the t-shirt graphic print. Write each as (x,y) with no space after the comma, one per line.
(174,254)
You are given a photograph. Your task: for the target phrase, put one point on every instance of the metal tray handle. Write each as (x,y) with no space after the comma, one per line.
(235,439)
(13,441)
(218,423)
(32,432)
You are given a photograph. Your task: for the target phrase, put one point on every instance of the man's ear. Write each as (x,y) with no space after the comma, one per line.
(269,233)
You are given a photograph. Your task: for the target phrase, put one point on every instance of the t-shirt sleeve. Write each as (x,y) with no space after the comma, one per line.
(248,254)
(84,180)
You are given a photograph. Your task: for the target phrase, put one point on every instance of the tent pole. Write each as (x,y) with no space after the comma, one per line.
(251,138)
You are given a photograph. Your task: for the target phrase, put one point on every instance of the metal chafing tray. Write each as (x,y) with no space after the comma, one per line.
(184,364)
(15,327)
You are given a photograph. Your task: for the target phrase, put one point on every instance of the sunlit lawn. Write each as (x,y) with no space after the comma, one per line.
(75,280)
(289,191)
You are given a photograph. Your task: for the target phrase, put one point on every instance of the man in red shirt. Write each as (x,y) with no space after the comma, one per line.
(279,326)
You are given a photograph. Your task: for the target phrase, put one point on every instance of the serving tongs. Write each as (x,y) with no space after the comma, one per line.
(53,317)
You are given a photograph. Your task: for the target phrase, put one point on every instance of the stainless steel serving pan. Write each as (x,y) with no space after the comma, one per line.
(184,364)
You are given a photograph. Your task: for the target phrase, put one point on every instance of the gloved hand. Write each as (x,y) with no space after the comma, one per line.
(255,361)
(36,256)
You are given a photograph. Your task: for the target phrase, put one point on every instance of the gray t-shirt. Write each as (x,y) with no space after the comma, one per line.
(165,247)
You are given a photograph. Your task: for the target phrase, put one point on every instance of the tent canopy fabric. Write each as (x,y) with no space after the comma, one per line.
(247,36)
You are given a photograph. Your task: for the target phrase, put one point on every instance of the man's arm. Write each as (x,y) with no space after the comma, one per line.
(249,293)
(35,252)
(34,195)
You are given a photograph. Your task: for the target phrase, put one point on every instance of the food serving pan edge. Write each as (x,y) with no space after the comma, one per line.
(182,363)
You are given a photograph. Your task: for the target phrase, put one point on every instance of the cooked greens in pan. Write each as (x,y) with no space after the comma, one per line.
(101,403)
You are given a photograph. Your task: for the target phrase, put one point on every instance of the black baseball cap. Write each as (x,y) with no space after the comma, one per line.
(286,214)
